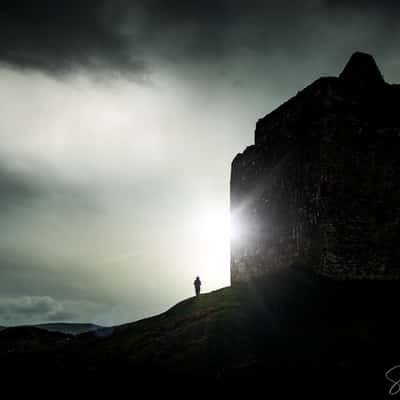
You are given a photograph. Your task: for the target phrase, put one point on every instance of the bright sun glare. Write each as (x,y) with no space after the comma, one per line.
(213,234)
(215,225)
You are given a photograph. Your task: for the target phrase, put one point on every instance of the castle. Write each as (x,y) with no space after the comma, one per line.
(320,187)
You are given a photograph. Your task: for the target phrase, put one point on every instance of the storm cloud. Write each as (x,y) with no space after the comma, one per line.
(57,37)
(24,309)
(130,37)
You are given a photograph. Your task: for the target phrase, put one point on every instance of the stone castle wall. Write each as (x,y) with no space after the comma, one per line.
(321,187)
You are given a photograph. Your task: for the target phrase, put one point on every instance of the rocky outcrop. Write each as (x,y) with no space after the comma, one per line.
(320,187)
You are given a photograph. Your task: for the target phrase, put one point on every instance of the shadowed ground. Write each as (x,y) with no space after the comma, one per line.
(294,332)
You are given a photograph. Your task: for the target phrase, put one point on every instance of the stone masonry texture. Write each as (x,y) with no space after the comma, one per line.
(320,188)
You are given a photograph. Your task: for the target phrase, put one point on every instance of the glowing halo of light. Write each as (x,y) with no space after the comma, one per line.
(211,241)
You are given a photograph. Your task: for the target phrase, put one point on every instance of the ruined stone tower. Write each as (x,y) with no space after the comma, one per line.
(321,185)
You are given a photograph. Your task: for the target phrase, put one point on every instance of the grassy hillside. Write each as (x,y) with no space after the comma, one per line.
(294,327)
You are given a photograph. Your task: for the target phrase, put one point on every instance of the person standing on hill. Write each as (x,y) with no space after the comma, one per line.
(197,284)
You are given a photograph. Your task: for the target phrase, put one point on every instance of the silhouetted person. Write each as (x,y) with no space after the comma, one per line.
(197,284)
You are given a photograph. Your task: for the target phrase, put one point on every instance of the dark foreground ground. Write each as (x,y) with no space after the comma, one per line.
(293,334)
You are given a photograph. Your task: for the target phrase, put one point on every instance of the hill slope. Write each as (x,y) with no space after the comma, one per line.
(294,326)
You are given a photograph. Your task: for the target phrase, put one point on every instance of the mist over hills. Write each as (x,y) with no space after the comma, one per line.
(70,328)
(62,327)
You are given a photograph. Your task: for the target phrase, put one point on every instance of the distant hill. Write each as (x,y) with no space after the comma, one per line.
(294,327)
(69,328)
(18,342)
(29,333)
(62,327)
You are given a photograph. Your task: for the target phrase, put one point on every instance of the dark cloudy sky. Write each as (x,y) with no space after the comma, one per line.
(118,123)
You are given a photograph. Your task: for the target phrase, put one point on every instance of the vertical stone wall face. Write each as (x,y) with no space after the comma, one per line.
(362,204)
(278,209)
(320,187)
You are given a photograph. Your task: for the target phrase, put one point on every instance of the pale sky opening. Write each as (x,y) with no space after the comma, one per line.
(133,190)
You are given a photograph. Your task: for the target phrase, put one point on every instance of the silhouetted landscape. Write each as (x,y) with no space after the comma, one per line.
(293,324)
(313,301)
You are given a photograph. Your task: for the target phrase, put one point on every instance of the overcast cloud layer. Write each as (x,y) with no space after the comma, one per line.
(118,123)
